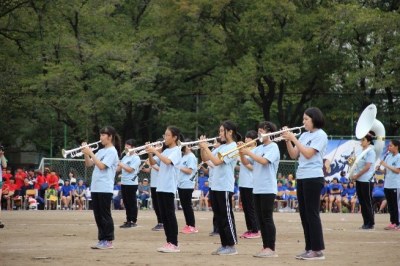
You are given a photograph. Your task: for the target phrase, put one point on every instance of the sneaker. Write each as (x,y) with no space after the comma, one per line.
(367,227)
(252,235)
(302,254)
(158,227)
(313,255)
(245,234)
(227,251)
(105,245)
(266,253)
(185,229)
(217,251)
(1,225)
(213,233)
(169,248)
(98,244)
(190,230)
(397,228)
(390,227)
(128,225)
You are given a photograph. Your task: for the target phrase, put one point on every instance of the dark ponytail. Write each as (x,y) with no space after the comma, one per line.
(229,125)
(176,133)
(116,139)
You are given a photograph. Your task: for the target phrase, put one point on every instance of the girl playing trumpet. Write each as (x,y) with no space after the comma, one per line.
(105,163)
(166,187)
(222,186)
(265,159)
(130,167)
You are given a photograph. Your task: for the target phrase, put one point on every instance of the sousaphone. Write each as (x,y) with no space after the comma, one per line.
(368,122)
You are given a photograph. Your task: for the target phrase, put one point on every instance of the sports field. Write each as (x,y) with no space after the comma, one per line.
(65,237)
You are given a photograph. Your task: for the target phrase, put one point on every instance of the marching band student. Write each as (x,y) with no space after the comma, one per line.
(210,169)
(246,191)
(166,186)
(129,167)
(105,163)
(265,159)
(186,182)
(309,149)
(392,183)
(3,164)
(363,173)
(222,186)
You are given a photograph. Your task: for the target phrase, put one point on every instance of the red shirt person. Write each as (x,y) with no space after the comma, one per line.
(52,180)
(20,176)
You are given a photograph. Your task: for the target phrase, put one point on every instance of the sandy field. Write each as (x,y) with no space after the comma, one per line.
(65,237)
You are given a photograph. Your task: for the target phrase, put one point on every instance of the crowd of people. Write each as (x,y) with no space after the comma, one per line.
(233,171)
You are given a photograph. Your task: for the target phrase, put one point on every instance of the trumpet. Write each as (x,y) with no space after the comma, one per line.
(274,136)
(194,144)
(77,151)
(142,149)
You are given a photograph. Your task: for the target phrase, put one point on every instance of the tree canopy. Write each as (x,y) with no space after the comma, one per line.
(70,67)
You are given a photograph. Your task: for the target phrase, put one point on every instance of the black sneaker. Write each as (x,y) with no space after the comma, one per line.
(158,227)
(367,227)
(128,225)
(213,233)
(1,225)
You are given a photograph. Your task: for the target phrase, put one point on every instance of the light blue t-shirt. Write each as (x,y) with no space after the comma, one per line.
(211,168)
(311,168)
(103,180)
(133,161)
(223,175)
(264,176)
(154,173)
(187,180)
(392,180)
(168,174)
(245,175)
(369,157)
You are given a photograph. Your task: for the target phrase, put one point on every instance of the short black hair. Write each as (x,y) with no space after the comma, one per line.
(267,126)
(316,116)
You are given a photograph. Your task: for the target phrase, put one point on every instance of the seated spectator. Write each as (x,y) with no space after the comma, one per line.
(343,179)
(349,197)
(20,176)
(144,193)
(235,196)
(72,177)
(202,179)
(335,191)
(52,197)
(378,196)
(204,197)
(66,194)
(291,198)
(52,180)
(79,194)
(281,191)
(7,175)
(292,179)
(27,186)
(8,192)
(118,204)
(325,196)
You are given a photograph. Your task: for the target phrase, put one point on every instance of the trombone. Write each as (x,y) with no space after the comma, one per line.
(194,144)
(142,149)
(274,136)
(77,151)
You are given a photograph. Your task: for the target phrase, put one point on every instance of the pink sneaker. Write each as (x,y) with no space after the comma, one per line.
(252,235)
(169,248)
(390,227)
(245,234)
(190,230)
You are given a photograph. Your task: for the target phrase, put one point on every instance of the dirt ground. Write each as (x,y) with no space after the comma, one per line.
(65,237)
